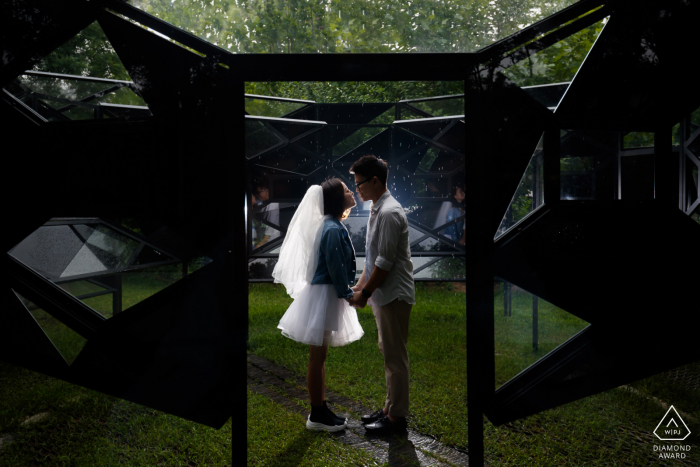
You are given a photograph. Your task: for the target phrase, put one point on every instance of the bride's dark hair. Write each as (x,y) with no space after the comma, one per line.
(333,197)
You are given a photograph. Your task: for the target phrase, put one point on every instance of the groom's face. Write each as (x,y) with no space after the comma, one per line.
(364,191)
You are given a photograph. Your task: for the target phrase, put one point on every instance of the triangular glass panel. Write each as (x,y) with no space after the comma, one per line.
(695,215)
(448,267)
(270,107)
(691,182)
(68,342)
(442,107)
(259,138)
(526,328)
(105,249)
(556,64)
(529,195)
(413,234)
(407,112)
(637,140)
(131,224)
(387,118)
(93,83)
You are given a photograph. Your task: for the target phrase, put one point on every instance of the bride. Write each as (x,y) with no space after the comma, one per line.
(317,266)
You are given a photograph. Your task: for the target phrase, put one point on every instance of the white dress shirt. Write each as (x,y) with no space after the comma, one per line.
(387,248)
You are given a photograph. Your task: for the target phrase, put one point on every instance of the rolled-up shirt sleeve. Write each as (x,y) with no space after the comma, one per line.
(332,245)
(389,227)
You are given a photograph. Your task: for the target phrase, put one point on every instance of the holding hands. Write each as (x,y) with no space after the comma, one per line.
(358,300)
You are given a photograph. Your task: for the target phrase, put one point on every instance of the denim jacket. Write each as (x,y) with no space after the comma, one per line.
(336,260)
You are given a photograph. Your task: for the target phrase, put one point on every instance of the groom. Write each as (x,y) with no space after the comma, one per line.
(388,279)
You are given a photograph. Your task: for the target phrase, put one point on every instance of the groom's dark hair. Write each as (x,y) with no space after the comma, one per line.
(370,166)
(333,198)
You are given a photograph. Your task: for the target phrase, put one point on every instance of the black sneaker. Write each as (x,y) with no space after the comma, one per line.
(338,420)
(319,420)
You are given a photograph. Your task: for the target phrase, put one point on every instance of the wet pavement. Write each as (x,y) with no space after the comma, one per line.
(408,449)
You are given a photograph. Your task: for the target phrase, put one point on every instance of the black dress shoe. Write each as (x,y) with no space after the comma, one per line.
(384,426)
(373,417)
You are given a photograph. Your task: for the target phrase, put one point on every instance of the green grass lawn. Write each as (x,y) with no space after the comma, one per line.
(600,430)
(82,427)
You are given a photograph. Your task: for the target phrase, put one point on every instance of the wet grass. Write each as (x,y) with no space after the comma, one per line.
(611,428)
(81,427)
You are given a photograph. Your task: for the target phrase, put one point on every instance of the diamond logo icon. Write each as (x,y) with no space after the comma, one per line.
(672,427)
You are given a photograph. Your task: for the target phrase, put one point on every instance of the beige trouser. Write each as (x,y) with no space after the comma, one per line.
(392,324)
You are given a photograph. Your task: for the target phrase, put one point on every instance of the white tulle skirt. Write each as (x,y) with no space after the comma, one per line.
(318,317)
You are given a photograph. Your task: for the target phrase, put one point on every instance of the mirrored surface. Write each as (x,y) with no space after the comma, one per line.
(68,342)
(529,195)
(447,267)
(526,328)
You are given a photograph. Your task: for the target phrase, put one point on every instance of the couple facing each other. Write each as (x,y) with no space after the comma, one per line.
(317,266)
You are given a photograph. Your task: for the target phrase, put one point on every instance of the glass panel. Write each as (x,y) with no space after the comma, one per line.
(443,107)
(357,228)
(526,328)
(413,234)
(557,63)
(430,244)
(201,261)
(528,196)
(425,164)
(68,342)
(695,120)
(261,268)
(638,140)
(263,233)
(359,266)
(140,284)
(587,165)
(430,214)
(77,288)
(695,215)
(105,249)
(270,108)
(637,177)
(357,26)
(445,268)
(691,183)
(50,249)
(355,139)
(151,255)
(258,138)
(132,225)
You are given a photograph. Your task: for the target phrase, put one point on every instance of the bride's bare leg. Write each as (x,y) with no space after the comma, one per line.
(315,375)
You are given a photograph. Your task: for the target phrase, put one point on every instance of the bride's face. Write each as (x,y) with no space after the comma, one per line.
(349,198)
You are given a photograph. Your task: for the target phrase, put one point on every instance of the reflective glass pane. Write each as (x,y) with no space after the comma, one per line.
(430,244)
(140,284)
(198,263)
(696,215)
(529,195)
(638,140)
(445,268)
(691,183)
(526,328)
(557,63)
(359,266)
(357,228)
(50,249)
(105,249)
(442,107)
(263,233)
(587,165)
(637,177)
(151,255)
(261,268)
(355,139)
(77,288)
(357,26)
(68,342)
(270,108)
(413,234)
(259,138)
